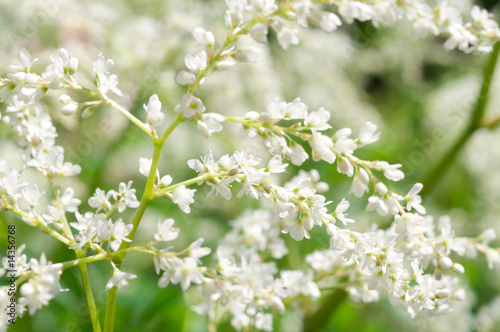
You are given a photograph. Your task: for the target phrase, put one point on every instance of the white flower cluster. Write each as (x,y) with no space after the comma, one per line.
(477,35)
(247,287)
(94,229)
(42,286)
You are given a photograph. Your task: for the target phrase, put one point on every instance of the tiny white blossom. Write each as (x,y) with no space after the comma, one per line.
(100,200)
(248,54)
(125,196)
(183,197)
(25,62)
(210,123)
(190,106)
(105,81)
(391,172)
(286,36)
(360,183)
(165,231)
(259,32)
(186,272)
(339,212)
(32,194)
(413,200)
(154,115)
(367,134)
(185,78)
(119,233)
(318,119)
(197,62)
(329,21)
(297,153)
(119,279)
(196,251)
(203,37)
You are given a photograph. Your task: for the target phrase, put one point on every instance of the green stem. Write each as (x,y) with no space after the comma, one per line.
(476,120)
(178,119)
(139,213)
(96,325)
(189,182)
(231,38)
(128,115)
(109,322)
(40,224)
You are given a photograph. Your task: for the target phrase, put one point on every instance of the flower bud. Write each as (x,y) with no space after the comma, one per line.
(203,129)
(445,262)
(380,188)
(458,268)
(442,293)
(249,54)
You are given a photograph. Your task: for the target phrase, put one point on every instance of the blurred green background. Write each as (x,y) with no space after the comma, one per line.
(418,94)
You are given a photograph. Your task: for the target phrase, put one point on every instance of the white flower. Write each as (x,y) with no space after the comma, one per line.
(125,196)
(24,63)
(248,54)
(119,279)
(318,119)
(342,141)
(234,15)
(296,110)
(329,21)
(352,10)
(185,78)
(196,63)
(165,231)
(487,236)
(196,251)
(367,134)
(190,106)
(413,200)
(259,32)
(299,229)
(203,37)
(262,7)
(360,183)
(105,81)
(297,153)
(186,272)
(154,115)
(119,233)
(339,212)
(276,165)
(483,18)
(286,36)
(210,123)
(31,193)
(100,200)
(62,64)
(41,288)
(183,197)
(391,171)
(165,181)
(344,166)
(322,147)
